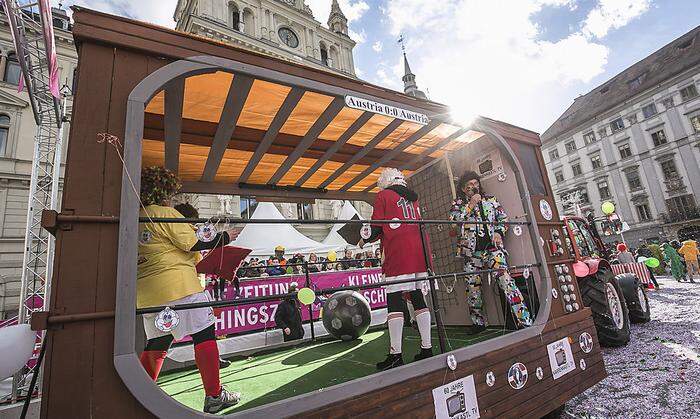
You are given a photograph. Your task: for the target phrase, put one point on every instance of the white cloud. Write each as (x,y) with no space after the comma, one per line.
(613,14)
(352,9)
(377,46)
(159,12)
(481,57)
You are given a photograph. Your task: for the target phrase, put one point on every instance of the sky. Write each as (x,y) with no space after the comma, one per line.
(519,61)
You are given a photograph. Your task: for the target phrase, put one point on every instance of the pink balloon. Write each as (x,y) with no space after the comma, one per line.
(581,269)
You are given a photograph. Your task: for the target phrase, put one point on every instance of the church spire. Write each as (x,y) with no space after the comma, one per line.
(409,79)
(337,22)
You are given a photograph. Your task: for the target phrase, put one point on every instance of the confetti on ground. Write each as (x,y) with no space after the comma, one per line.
(656,375)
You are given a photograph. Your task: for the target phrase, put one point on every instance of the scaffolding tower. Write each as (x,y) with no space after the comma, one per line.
(33,56)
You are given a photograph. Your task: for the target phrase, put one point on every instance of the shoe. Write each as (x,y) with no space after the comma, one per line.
(224,363)
(476,329)
(391,361)
(423,354)
(225,400)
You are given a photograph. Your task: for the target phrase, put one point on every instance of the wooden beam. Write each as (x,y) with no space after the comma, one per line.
(237,95)
(280,118)
(174,96)
(359,123)
(278,192)
(316,129)
(425,154)
(422,132)
(366,149)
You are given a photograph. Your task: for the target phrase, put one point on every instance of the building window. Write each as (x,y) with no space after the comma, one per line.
(633,180)
(643,212)
(596,162)
(570,147)
(659,137)
(576,168)
(604,189)
(681,205)
(695,122)
(603,132)
(305,211)
(649,110)
(235,18)
(4,131)
(688,92)
(669,169)
(559,176)
(324,55)
(617,125)
(553,154)
(12,69)
(248,206)
(625,151)
(589,138)
(584,196)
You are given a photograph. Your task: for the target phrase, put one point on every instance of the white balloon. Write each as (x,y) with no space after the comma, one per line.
(16,347)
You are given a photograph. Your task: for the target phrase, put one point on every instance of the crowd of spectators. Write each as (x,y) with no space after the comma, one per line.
(278,265)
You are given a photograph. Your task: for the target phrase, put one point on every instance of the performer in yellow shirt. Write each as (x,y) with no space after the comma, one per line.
(166,276)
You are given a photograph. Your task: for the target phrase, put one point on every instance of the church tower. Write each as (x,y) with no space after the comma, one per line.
(283,29)
(409,81)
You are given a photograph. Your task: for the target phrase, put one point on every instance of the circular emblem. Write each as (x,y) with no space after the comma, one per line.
(539,373)
(517,375)
(394,226)
(526,273)
(490,379)
(451,362)
(502,177)
(365,231)
(517,230)
(206,232)
(555,293)
(145,237)
(167,320)
(586,342)
(546,210)
(582,364)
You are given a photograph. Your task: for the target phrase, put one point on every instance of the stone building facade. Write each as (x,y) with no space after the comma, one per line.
(635,141)
(17,130)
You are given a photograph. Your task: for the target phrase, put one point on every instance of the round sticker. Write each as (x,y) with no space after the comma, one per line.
(167,320)
(582,364)
(365,231)
(586,342)
(517,230)
(145,237)
(490,379)
(555,293)
(451,362)
(394,226)
(539,373)
(206,232)
(502,177)
(517,375)
(546,210)
(526,273)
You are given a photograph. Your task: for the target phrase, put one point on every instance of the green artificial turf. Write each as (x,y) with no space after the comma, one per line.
(273,376)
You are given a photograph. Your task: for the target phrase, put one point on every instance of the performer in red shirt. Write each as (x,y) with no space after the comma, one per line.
(402,247)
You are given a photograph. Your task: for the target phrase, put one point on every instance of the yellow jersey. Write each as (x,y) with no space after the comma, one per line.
(166,266)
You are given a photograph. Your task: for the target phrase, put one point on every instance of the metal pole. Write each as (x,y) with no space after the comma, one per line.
(433,294)
(311,310)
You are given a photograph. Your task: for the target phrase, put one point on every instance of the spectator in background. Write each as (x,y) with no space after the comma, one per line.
(279,254)
(368,259)
(288,316)
(674,261)
(624,255)
(644,252)
(377,258)
(273,268)
(689,250)
(296,269)
(313,267)
(347,262)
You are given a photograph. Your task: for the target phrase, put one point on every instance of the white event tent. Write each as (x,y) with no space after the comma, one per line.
(263,238)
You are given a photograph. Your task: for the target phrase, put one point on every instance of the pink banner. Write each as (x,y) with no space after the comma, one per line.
(260,316)
(47,26)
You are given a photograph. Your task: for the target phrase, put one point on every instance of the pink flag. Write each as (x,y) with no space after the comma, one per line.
(47,25)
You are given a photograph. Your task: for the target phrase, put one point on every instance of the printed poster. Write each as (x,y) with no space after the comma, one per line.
(561,360)
(456,400)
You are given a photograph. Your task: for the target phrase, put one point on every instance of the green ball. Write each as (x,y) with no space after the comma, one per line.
(306,296)
(652,262)
(608,207)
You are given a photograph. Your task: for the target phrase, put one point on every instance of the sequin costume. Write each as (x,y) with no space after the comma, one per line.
(470,239)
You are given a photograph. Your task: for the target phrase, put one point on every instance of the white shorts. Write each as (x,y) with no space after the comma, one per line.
(191,321)
(407,286)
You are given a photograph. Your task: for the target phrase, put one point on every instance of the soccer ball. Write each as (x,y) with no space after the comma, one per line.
(346,315)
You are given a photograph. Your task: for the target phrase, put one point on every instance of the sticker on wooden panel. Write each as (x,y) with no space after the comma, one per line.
(456,400)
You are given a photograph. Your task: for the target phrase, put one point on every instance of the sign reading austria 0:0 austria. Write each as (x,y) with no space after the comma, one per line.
(388,110)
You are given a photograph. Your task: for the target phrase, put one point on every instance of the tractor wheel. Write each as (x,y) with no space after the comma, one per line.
(636,297)
(603,295)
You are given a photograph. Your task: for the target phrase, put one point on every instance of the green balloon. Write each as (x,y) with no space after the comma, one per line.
(608,207)
(652,262)
(306,296)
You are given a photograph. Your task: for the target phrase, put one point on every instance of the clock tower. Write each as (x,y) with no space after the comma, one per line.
(284,29)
